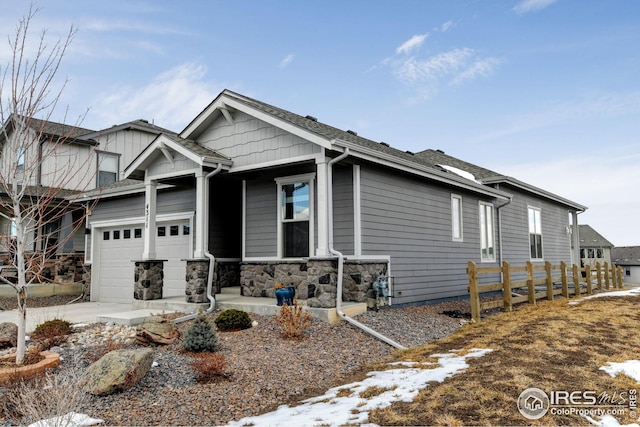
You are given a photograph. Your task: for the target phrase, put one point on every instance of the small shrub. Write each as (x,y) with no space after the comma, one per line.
(51,333)
(293,320)
(210,367)
(52,328)
(200,336)
(233,320)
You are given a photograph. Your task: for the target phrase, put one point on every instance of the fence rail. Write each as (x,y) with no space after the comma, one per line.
(542,281)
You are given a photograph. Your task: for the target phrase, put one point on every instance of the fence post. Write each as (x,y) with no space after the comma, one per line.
(576,279)
(621,274)
(599,273)
(565,285)
(587,272)
(474,296)
(618,276)
(506,286)
(606,275)
(548,268)
(530,285)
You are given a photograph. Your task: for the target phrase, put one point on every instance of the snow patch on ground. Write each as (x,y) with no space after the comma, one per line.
(625,293)
(344,404)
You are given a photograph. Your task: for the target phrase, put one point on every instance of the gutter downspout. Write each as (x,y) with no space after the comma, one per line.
(341,258)
(498,208)
(212,259)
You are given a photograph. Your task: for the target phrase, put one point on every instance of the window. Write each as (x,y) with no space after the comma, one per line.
(535,233)
(627,271)
(116,234)
(162,231)
(126,234)
(105,235)
(137,233)
(174,230)
(20,165)
(487,241)
(456,218)
(295,214)
(186,230)
(107,168)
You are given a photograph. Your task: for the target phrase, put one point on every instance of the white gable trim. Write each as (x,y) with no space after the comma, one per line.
(224,103)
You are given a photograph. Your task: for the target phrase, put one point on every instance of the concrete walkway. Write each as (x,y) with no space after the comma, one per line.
(82,312)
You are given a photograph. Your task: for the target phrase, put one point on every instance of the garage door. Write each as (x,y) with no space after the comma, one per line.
(120,245)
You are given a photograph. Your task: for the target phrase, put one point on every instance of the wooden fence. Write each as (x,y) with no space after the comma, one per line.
(542,281)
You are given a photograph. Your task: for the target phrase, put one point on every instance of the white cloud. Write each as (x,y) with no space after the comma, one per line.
(527,6)
(287,60)
(171,100)
(446,26)
(433,68)
(412,44)
(481,68)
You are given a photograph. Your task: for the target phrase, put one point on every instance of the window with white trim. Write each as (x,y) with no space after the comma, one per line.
(456,218)
(535,232)
(107,168)
(21,156)
(487,237)
(295,206)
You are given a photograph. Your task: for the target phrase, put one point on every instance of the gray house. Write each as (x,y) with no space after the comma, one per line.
(628,257)
(271,196)
(594,247)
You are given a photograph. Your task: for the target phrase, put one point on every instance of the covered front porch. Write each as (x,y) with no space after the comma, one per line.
(228,298)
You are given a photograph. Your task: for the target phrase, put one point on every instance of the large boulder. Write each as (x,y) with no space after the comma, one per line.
(117,370)
(8,334)
(156,330)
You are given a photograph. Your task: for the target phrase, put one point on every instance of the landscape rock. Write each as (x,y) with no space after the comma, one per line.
(8,334)
(156,330)
(116,371)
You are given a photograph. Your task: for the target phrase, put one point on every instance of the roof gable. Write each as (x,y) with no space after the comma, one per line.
(590,238)
(166,145)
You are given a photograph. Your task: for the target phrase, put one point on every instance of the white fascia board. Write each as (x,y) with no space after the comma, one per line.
(205,115)
(535,190)
(279,123)
(424,171)
(279,162)
(124,191)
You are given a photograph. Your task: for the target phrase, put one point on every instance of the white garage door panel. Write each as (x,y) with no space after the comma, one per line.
(120,245)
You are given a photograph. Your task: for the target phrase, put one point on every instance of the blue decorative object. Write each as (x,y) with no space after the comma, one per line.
(285,295)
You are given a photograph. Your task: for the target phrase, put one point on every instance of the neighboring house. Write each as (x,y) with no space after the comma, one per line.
(272,195)
(628,257)
(594,247)
(65,160)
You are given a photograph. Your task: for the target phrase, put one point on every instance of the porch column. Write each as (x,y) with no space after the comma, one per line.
(323,211)
(201,216)
(150,193)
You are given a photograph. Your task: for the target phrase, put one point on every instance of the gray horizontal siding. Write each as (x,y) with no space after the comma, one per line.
(261,219)
(343,224)
(410,220)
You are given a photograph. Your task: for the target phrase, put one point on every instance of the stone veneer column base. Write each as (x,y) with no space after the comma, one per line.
(197,276)
(149,277)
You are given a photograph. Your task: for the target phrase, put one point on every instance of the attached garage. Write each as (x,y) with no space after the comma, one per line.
(116,246)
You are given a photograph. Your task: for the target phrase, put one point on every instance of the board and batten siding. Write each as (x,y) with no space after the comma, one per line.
(129,143)
(167,202)
(250,141)
(261,219)
(410,221)
(343,211)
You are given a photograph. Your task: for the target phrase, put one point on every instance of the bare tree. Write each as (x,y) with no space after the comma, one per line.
(40,175)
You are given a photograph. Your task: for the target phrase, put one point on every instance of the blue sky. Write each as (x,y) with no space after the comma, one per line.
(546,91)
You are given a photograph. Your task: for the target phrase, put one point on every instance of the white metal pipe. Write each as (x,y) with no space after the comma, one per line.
(340,256)
(212,259)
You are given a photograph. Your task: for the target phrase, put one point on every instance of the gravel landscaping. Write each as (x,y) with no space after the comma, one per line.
(264,369)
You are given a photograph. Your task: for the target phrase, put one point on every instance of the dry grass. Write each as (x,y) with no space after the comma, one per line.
(552,346)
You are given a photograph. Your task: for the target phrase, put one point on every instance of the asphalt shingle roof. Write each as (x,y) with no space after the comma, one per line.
(590,238)
(626,255)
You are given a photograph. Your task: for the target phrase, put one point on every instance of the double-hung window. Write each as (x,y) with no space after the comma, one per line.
(295,206)
(107,168)
(456,218)
(535,233)
(487,238)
